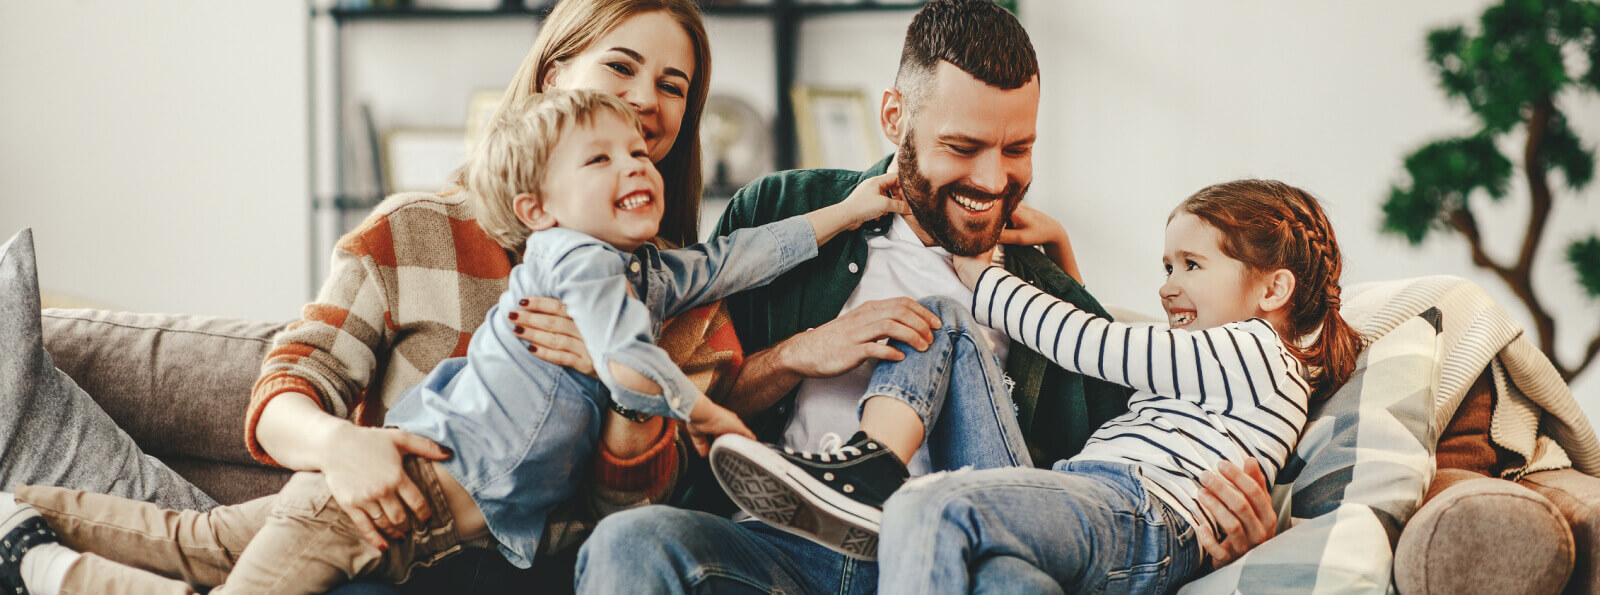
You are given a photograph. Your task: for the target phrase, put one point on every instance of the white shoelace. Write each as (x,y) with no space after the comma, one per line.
(833,445)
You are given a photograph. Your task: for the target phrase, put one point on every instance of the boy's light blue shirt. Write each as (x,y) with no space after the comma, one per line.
(524,430)
(593,279)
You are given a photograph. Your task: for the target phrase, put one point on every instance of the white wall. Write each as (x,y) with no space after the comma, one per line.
(158,151)
(1144,103)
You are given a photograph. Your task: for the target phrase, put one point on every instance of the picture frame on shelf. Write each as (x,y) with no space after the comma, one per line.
(834,128)
(422,159)
(480,107)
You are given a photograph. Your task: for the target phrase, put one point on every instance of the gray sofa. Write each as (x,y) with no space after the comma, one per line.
(180,384)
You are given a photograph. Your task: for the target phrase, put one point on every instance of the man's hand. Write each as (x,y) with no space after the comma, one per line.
(709,420)
(1239,501)
(365,475)
(853,338)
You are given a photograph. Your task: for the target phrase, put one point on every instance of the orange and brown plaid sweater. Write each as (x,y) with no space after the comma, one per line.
(406,290)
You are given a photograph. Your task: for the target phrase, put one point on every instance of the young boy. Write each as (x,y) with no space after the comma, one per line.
(568,172)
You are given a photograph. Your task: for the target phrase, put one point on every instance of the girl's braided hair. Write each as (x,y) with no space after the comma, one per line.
(1269,225)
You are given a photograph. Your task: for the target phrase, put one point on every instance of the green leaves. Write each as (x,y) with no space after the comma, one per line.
(1563,151)
(1444,174)
(1515,59)
(1585,257)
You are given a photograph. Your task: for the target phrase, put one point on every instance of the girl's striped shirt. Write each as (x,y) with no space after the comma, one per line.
(1224,393)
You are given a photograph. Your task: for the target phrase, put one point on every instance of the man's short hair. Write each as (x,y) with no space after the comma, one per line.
(511,157)
(977,36)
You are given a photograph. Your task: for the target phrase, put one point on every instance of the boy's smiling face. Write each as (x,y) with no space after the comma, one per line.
(601,182)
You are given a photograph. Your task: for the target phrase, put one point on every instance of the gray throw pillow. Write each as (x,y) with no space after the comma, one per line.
(51,432)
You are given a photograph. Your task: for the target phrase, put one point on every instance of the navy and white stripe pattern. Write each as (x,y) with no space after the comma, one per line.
(1224,393)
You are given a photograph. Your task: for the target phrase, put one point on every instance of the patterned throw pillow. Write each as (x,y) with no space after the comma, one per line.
(1358,473)
(51,432)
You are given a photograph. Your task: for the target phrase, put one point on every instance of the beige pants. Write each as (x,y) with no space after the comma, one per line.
(299,541)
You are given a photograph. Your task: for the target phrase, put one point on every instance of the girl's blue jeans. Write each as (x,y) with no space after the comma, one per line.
(958,388)
(1088,528)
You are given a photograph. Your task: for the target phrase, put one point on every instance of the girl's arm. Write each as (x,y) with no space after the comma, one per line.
(1167,362)
(1031,227)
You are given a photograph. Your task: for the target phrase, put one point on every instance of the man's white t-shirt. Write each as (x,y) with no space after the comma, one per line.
(898,265)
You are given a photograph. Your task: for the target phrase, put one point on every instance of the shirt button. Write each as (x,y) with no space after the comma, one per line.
(675,402)
(854,268)
(634,266)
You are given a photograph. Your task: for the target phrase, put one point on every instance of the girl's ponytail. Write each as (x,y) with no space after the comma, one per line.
(1269,225)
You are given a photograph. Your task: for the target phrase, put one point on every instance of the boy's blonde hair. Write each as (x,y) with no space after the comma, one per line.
(511,157)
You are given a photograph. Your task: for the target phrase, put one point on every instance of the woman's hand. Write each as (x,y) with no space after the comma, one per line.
(542,322)
(1239,501)
(364,472)
(1031,227)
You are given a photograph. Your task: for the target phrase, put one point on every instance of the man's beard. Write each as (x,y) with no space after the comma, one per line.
(971,237)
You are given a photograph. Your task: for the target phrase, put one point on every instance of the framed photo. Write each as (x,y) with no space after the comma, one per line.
(479,109)
(421,159)
(834,127)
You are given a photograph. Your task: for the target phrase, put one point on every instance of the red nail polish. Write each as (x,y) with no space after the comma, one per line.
(517,330)
(532,349)
(513,315)
(523,303)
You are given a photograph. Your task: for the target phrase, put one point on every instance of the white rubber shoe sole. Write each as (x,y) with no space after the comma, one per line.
(772,489)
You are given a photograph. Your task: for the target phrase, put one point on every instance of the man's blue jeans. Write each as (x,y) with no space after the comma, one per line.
(957,388)
(661,549)
(1089,527)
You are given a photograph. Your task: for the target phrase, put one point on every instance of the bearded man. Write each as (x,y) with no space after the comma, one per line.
(962,114)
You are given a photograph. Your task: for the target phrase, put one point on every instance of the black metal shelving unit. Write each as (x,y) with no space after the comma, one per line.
(786,17)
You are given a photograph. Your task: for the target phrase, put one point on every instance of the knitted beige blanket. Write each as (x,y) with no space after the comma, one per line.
(1535,415)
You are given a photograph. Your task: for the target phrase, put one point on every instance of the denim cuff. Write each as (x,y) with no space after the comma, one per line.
(677,396)
(795,238)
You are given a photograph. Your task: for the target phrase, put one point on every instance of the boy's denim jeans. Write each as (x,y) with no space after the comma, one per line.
(1088,528)
(958,389)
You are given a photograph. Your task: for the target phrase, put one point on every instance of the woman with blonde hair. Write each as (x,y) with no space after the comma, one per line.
(409,286)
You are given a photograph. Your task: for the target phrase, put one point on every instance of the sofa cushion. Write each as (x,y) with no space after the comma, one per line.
(51,432)
(179,384)
(1484,535)
(1361,467)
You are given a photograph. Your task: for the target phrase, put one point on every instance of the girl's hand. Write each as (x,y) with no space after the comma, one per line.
(1031,227)
(1239,500)
(709,420)
(543,324)
(969,268)
(366,478)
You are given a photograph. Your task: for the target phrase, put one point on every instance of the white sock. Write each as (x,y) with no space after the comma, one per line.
(44,568)
(8,504)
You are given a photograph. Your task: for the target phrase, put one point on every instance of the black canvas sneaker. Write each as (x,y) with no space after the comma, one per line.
(834,498)
(20,530)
